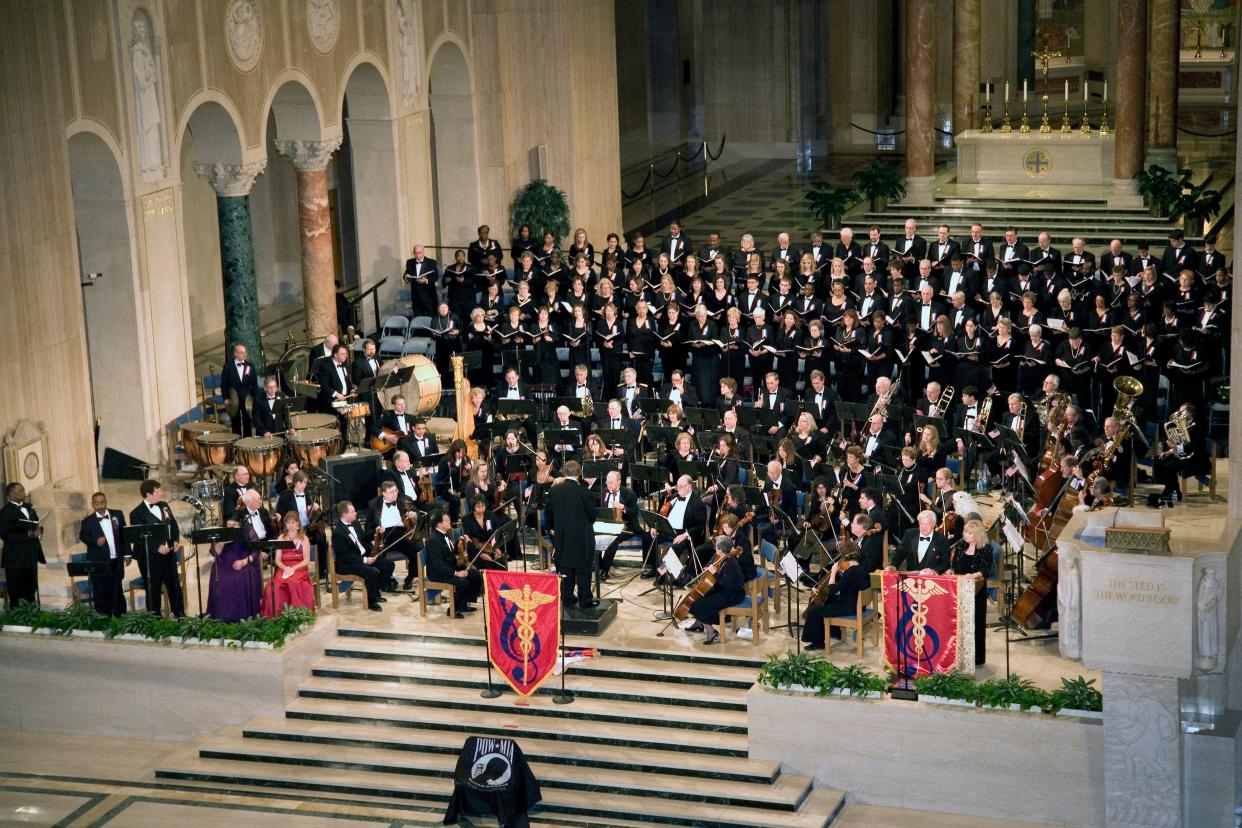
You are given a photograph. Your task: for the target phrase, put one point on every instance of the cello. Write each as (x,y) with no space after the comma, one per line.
(707,578)
(1032,609)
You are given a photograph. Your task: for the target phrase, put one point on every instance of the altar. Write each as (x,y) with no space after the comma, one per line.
(1034,158)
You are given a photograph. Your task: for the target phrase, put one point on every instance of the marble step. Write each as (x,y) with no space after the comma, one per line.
(497,723)
(625,652)
(1062,227)
(596,710)
(474,676)
(545,750)
(620,667)
(785,793)
(817,809)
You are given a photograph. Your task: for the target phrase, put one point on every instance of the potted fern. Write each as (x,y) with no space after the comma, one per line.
(1013,693)
(1078,697)
(953,687)
(793,671)
(856,681)
(829,203)
(880,183)
(541,206)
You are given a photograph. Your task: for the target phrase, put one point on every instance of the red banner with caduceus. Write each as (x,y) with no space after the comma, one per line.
(523,626)
(926,628)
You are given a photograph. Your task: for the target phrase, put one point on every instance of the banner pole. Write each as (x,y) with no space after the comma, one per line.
(491,692)
(563,697)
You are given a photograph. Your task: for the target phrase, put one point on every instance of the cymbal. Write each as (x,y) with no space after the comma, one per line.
(222,468)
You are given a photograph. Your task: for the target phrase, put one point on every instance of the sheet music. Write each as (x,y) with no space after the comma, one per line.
(672,564)
(789,566)
(1012,535)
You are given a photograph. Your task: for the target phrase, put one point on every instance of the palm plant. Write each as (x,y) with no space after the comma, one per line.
(829,203)
(542,207)
(880,183)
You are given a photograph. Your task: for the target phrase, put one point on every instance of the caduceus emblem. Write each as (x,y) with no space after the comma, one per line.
(920,591)
(525,603)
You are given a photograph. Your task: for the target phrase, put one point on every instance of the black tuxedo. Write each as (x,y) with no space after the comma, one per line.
(783,396)
(395,476)
(677,249)
(409,444)
(981,250)
(880,254)
(915,247)
(1174,260)
(423,296)
(107,590)
(907,558)
(851,255)
(270,418)
(689,397)
(1108,261)
(246,387)
(1020,251)
(162,573)
(348,559)
(317,355)
(22,554)
(389,421)
(330,381)
(231,494)
(442,566)
(967,282)
(942,253)
(571,515)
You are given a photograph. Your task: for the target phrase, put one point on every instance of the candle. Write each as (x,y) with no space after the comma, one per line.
(1024,90)
(987,93)
(1067,90)
(1085,84)
(1006,91)
(1105,91)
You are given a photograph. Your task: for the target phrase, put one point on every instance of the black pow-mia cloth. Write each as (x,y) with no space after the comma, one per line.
(492,777)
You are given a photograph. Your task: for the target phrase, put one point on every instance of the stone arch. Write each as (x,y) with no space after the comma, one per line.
(102,222)
(369,206)
(455,172)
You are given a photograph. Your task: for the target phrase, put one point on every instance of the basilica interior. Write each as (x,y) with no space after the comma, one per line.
(864,282)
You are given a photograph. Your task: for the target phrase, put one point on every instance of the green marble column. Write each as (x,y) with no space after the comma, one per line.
(241,293)
(232,183)
(1026,45)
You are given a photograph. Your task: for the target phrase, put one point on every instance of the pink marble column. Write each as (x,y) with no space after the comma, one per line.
(310,160)
(920,99)
(1131,89)
(1162,97)
(966,62)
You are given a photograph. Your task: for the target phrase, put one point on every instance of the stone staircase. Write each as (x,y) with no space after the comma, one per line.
(652,738)
(1092,219)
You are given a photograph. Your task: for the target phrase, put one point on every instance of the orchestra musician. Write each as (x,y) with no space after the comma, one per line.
(310,513)
(687,515)
(351,555)
(335,384)
(617,496)
(442,565)
(727,591)
(478,527)
(394,514)
(270,413)
(160,572)
(845,579)
(1173,461)
(240,380)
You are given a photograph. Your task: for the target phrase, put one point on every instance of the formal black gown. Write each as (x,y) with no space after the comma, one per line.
(981,562)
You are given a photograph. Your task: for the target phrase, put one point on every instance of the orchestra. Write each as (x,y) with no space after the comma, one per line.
(842,396)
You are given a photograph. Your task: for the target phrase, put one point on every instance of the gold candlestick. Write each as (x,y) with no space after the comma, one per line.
(1085,128)
(986,126)
(1044,126)
(1005,125)
(1104,123)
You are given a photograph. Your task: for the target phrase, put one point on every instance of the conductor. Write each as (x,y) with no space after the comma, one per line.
(571,517)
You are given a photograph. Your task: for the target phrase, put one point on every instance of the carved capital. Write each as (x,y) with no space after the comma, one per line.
(231,179)
(309,156)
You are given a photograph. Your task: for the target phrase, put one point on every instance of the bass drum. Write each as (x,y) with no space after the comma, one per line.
(292,368)
(422,392)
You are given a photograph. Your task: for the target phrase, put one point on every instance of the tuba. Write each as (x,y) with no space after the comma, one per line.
(1128,388)
(1177,429)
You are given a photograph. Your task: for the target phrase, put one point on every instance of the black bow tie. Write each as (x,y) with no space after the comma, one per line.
(680,499)
(924,540)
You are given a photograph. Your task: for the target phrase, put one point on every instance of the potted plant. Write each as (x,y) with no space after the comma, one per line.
(1196,204)
(855,680)
(793,671)
(541,206)
(82,621)
(1078,697)
(880,183)
(829,203)
(1012,693)
(24,618)
(953,687)
(1160,189)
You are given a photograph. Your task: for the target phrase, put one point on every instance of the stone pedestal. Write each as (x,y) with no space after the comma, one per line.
(1035,159)
(310,160)
(920,99)
(232,183)
(1207,79)
(1142,752)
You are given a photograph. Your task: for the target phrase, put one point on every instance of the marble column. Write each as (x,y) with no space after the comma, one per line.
(1165,49)
(1131,95)
(1235,360)
(920,99)
(232,183)
(966,61)
(310,160)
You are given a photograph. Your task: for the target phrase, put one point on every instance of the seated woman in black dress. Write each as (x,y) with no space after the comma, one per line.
(845,580)
(478,527)
(728,591)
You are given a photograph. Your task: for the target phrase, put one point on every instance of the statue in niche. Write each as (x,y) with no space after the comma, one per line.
(409,47)
(1069,615)
(1207,599)
(148,97)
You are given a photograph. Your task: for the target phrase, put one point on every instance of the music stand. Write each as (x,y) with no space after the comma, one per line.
(561,437)
(144,534)
(616,437)
(652,477)
(654,520)
(942,428)
(661,435)
(518,468)
(751,419)
(574,404)
(210,535)
(695,468)
(264,547)
(703,418)
(652,406)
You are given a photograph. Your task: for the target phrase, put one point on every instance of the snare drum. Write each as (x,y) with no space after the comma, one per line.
(357,410)
(260,454)
(314,444)
(190,433)
(216,447)
(305,419)
(207,490)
